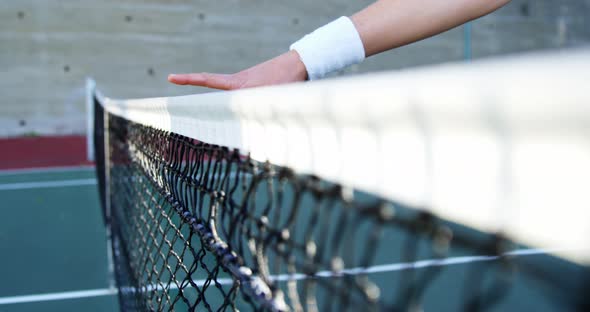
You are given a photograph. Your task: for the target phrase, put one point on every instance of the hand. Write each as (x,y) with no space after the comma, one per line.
(282,69)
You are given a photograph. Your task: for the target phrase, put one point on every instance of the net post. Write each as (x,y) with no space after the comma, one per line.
(90,88)
(107,199)
(107,164)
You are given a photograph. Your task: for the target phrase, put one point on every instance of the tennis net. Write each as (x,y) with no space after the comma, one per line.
(448,188)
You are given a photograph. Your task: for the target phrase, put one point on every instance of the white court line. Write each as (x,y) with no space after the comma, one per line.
(383,268)
(45,170)
(280,278)
(46,184)
(394,267)
(59,296)
(428,263)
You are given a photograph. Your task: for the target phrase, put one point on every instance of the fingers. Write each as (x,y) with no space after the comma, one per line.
(179,79)
(215,81)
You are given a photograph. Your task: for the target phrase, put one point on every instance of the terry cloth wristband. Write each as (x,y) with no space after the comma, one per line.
(330,48)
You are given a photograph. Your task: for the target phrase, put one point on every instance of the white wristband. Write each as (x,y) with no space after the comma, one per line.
(330,48)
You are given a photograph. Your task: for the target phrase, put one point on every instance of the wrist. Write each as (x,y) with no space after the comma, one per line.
(297,66)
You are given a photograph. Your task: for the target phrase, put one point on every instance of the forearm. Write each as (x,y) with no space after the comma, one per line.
(384,25)
(388,24)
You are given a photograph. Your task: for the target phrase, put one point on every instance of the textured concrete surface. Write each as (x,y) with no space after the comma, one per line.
(48,47)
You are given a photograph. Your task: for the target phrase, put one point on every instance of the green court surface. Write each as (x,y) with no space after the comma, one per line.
(54,254)
(53,250)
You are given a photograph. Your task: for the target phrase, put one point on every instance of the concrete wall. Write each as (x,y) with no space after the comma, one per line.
(48,47)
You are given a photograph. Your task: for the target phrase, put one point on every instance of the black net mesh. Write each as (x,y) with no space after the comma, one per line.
(199,227)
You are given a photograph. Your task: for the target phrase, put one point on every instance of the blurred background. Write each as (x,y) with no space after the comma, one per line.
(53,253)
(48,47)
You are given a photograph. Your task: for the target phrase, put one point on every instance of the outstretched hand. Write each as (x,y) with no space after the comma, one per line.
(282,69)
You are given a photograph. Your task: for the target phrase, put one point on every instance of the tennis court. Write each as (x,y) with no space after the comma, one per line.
(52,240)
(293,156)
(59,261)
